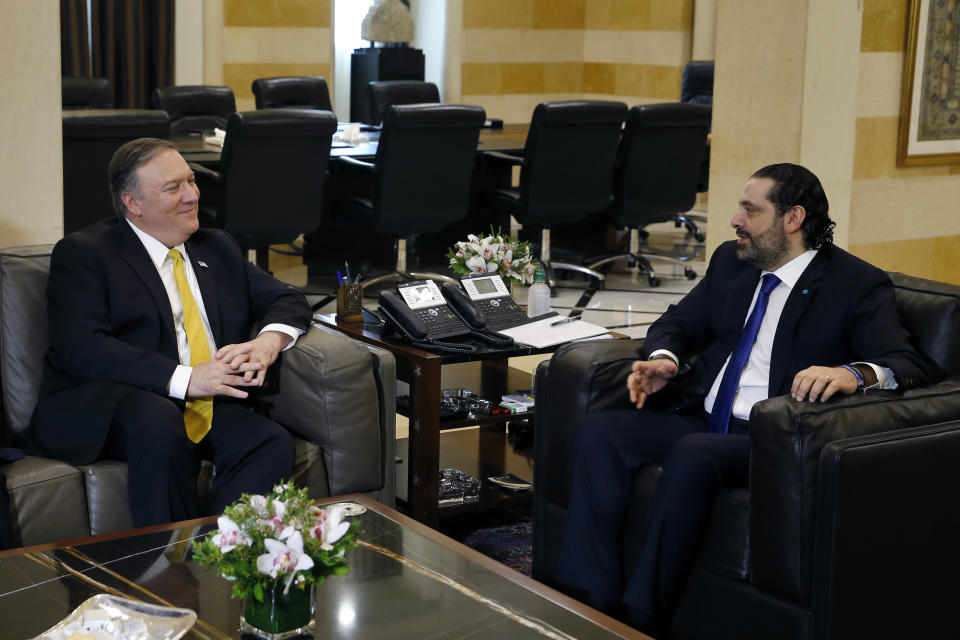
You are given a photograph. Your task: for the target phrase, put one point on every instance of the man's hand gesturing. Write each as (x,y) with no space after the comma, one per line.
(647,377)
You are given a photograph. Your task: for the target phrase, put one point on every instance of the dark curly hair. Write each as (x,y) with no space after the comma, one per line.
(795,185)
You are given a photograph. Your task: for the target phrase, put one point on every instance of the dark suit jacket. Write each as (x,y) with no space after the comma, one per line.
(840,311)
(111,326)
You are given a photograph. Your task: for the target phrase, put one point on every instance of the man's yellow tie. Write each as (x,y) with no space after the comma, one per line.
(199,413)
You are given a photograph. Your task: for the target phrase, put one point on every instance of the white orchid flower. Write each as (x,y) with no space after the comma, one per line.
(492,267)
(229,536)
(284,558)
(476,264)
(472,238)
(259,505)
(276,523)
(330,526)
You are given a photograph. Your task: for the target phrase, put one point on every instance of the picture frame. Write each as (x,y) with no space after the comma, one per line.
(929,132)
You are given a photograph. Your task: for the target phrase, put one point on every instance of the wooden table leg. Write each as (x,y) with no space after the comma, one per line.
(423,486)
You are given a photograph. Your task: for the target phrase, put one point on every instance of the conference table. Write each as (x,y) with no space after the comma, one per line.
(405,581)
(511,137)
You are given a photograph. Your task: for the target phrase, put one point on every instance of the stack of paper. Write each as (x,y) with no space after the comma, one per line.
(546,332)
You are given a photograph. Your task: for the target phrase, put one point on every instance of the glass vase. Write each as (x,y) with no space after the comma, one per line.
(280,615)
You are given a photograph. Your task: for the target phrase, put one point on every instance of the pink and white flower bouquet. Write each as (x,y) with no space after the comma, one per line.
(277,541)
(495,253)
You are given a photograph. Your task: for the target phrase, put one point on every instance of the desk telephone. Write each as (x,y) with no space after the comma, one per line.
(426,315)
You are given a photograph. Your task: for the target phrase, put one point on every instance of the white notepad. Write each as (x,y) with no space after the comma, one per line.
(541,334)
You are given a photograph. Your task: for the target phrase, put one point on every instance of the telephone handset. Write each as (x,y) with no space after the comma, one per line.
(472,316)
(419,312)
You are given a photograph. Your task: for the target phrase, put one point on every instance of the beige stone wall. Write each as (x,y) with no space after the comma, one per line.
(902,219)
(249,39)
(31,165)
(517,53)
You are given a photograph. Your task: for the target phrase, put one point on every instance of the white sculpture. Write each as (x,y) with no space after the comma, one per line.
(387,21)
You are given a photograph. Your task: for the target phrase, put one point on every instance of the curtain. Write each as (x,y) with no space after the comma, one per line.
(74,39)
(130,43)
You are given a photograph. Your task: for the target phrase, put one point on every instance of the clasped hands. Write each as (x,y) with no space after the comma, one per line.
(236,365)
(813,383)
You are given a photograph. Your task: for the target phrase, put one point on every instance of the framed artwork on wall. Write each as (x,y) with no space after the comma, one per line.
(930,98)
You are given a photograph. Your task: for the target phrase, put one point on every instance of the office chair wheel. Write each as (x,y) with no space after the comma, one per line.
(654,281)
(689,273)
(699,237)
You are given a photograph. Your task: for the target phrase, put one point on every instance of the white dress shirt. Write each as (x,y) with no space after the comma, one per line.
(158,253)
(755,380)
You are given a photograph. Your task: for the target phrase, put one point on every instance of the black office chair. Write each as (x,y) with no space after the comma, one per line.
(566,170)
(384,93)
(89,139)
(420,179)
(273,169)
(697,88)
(300,92)
(195,108)
(655,175)
(85,93)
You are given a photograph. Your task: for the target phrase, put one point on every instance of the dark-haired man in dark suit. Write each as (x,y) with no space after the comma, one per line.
(150,352)
(780,311)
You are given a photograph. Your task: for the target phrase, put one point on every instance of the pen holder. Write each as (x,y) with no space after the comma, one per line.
(350,303)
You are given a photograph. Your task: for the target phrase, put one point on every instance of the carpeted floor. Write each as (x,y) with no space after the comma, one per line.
(511,544)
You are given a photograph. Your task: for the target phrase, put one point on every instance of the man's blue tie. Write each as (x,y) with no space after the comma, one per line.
(723,405)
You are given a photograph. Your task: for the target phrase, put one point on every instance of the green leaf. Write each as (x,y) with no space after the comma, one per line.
(258,592)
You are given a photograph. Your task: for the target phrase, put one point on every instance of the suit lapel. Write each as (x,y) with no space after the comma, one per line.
(131,250)
(208,287)
(797,303)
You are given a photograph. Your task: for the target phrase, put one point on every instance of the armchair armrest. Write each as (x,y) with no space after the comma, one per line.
(337,393)
(362,164)
(503,157)
(200,171)
(787,442)
(580,377)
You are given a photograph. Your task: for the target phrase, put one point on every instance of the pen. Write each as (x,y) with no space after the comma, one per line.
(564,321)
(347,265)
(339,278)
(356,279)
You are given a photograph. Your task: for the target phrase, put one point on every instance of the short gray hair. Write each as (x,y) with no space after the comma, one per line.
(122,171)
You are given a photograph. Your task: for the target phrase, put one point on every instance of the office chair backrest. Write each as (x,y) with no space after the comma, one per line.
(568,160)
(300,92)
(697,83)
(195,108)
(384,93)
(423,167)
(658,162)
(89,139)
(86,93)
(274,167)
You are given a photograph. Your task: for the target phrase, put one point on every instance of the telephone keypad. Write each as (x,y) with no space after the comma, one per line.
(442,322)
(501,312)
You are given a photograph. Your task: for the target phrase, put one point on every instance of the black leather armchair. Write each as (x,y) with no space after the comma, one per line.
(384,93)
(85,93)
(195,108)
(89,139)
(337,395)
(273,169)
(299,92)
(848,529)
